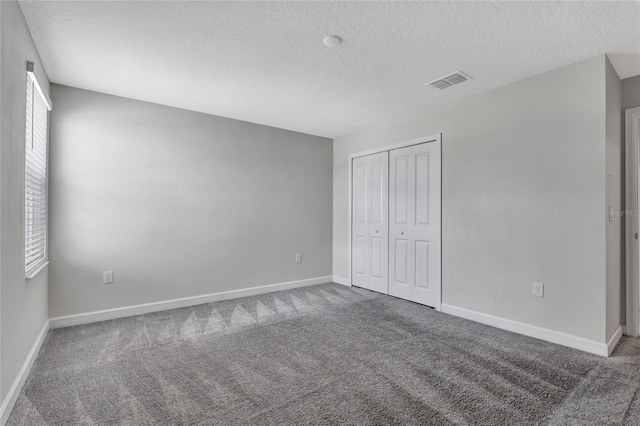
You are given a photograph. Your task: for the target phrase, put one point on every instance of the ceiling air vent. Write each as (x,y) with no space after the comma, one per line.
(440,84)
(449,80)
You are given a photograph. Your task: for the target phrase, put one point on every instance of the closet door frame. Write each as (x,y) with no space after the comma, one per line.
(436,138)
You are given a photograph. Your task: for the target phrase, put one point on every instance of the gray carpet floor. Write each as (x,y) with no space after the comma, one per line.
(326,354)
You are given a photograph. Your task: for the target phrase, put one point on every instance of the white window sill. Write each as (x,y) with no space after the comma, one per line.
(32,273)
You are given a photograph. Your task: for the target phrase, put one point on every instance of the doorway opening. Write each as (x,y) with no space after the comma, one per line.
(632,154)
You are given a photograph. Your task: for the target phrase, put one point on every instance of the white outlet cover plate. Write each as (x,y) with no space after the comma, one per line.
(538,289)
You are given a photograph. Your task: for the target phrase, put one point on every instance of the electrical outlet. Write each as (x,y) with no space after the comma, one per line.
(107,277)
(538,289)
(298,258)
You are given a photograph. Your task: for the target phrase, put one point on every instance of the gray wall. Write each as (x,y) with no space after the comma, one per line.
(631,92)
(523,199)
(178,203)
(24,302)
(615,196)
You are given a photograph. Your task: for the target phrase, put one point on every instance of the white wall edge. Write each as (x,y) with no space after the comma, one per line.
(340,280)
(530,330)
(14,391)
(164,305)
(613,341)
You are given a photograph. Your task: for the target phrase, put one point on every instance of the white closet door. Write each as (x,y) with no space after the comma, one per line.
(379,225)
(414,223)
(400,220)
(370,222)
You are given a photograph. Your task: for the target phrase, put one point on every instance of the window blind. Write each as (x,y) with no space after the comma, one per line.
(35,175)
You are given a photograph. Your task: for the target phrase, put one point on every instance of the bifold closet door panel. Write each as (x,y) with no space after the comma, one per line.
(414,214)
(360,223)
(426,232)
(379,224)
(370,222)
(400,220)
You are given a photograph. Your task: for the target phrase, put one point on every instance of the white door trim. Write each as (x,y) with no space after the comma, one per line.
(632,135)
(429,138)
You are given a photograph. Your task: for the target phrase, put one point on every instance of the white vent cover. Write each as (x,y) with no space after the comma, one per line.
(449,80)
(455,79)
(440,84)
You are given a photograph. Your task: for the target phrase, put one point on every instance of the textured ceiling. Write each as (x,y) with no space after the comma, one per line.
(264,62)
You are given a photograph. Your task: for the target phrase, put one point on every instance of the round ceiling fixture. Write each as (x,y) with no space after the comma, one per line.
(332,40)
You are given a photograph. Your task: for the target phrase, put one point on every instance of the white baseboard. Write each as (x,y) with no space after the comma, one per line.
(340,280)
(575,342)
(164,305)
(613,340)
(14,391)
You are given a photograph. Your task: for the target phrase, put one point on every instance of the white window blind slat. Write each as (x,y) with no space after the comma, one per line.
(35,258)
(37,112)
(37,211)
(33,228)
(37,236)
(35,171)
(36,251)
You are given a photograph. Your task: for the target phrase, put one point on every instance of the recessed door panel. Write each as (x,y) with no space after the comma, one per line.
(378,190)
(422,189)
(422,264)
(376,257)
(401,261)
(360,193)
(361,255)
(401,189)
(359,261)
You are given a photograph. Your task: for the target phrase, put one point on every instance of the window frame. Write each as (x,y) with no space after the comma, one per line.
(33,87)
